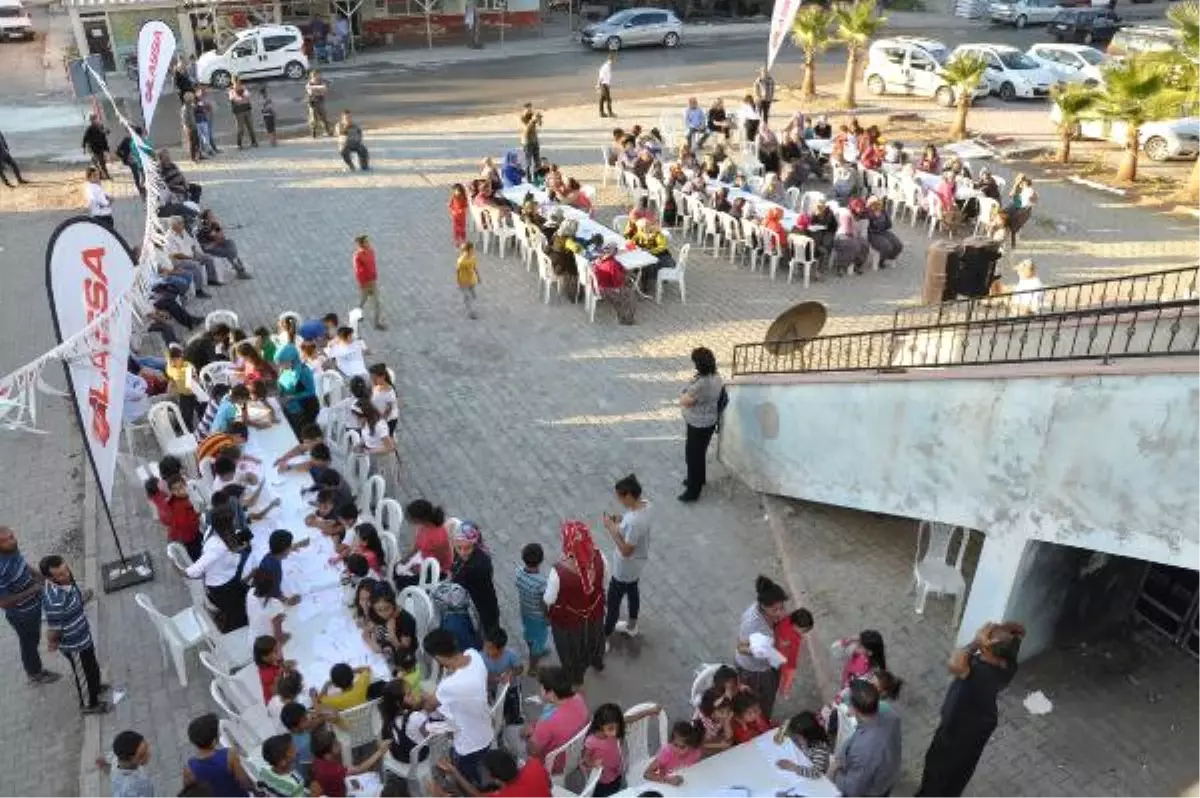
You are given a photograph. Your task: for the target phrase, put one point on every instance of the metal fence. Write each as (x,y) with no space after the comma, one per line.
(1139,289)
(1105,333)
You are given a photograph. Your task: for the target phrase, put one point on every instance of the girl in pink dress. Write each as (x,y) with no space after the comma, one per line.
(458,214)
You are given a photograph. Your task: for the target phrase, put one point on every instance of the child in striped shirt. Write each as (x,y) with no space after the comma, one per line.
(531,585)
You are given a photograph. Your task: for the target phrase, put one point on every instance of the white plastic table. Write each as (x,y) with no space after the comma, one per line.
(747,769)
(760,204)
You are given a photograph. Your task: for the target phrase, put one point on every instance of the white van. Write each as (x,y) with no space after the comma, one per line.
(14,21)
(262,52)
(1025,12)
(912,65)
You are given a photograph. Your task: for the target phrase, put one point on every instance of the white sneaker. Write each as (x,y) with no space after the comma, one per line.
(624,628)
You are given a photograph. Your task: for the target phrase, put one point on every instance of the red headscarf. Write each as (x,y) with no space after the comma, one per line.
(578,547)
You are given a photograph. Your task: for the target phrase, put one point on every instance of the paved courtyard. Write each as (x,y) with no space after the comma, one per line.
(519,420)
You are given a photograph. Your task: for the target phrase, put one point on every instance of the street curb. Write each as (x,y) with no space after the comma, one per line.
(814,648)
(89,774)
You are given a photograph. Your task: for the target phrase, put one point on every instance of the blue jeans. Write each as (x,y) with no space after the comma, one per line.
(618,590)
(28,626)
(470,765)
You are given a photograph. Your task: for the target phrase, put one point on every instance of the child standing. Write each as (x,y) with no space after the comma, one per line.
(531,586)
(129,776)
(176,513)
(604,746)
(468,276)
(268,115)
(789,637)
(715,713)
(214,766)
(503,666)
(806,732)
(366,274)
(683,749)
(458,214)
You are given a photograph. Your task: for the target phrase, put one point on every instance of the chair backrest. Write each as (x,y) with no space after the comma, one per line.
(210,663)
(987,208)
(419,605)
(619,222)
(200,494)
(373,494)
(391,550)
(804,249)
(712,224)
(178,555)
(218,372)
(751,232)
(236,733)
(167,422)
(681,261)
(589,191)
(216,317)
(162,624)
(354,319)
(637,734)
(793,197)
(939,538)
(545,267)
(391,517)
(497,710)
(703,681)
(810,200)
(293,315)
(565,759)
(431,573)
(358,471)
(331,387)
(356,724)
(222,694)
(847,723)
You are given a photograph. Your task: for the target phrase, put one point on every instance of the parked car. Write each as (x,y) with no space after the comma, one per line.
(1073,63)
(633,27)
(1172,138)
(1134,39)
(1025,12)
(262,52)
(912,65)
(14,21)
(1010,72)
(1084,26)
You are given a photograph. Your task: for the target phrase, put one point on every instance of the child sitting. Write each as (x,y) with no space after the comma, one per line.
(176,513)
(300,723)
(681,751)
(214,766)
(748,721)
(259,412)
(408,672)
(715,713)
(328,774)
(604,748)
(288,688)
(805,731)
(268,658)
(346,688)
(279,778)
(130,753)
(404,722)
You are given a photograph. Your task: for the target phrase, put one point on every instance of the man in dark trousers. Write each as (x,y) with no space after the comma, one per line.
(604,85)
(764,94)
(6,159)
(68,630)
(95,143)
(21,600)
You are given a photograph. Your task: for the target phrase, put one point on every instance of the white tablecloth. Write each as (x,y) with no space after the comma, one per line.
(322,629)
(929,182)
(588,227)
(760,204)
(750,766)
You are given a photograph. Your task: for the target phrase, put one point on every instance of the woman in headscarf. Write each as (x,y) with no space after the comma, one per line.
(879,232)
(297,388)
(772,189)
(491,175)
(850,251)
(512,174)
(654,241)
(472,569)
(768,150)
(575,599)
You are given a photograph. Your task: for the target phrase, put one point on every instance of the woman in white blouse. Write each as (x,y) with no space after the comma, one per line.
(222,566)
(377,444)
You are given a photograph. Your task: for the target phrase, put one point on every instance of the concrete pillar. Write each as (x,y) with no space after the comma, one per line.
(187,39)
(277,12)
(995,579)
(77,30)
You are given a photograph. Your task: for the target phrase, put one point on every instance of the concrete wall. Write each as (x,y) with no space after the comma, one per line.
(1088,456)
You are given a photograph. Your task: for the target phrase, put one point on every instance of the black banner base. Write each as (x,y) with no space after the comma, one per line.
(118,575)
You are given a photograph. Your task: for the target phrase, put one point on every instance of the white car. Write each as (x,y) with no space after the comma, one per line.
(14,21)
(262,52)
(911,65)
(1010,72)
(1024,12)
(1173,138)
(1074,63)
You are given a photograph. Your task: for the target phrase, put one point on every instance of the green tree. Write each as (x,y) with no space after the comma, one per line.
(1135,92)
(857,24)
(1073,103)
(963,73)
(1181,69)
(812,32)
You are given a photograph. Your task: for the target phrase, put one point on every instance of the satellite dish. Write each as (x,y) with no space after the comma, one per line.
(795,327)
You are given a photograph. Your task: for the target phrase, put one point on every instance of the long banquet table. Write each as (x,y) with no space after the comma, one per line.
(744,770)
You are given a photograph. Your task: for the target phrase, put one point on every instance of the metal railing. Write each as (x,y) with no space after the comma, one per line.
(1105,333)
(1138,289)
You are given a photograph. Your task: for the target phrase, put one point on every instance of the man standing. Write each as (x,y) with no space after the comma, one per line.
(870,762)
(67,628)
(604,86)
(204,120)
(21,600)
(530,122)
(239,100)
(6,159)
(696,123)
(95,143)
(189,130)
(461,698)
(630,533)
(315,90)
(764,93)
(366,274)
(350,140)
(128,156)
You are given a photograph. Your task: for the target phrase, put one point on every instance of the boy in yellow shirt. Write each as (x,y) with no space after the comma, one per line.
(468,276)
(346,688)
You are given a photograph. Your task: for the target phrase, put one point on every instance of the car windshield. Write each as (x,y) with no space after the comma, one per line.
(10,12)
(1093,57)
(1013,60)
(229,46)
(619,18)
(938,54)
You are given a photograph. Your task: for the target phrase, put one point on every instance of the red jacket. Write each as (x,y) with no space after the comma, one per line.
(364,266)
(178,516)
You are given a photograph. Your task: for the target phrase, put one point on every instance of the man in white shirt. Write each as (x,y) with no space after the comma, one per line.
(604,85)
(187,257)
(99,204)
(461,698)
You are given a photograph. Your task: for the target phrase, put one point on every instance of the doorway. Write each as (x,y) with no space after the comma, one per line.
(1168,601)
(95,30)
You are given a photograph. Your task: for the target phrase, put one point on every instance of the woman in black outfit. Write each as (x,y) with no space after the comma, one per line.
(473,570)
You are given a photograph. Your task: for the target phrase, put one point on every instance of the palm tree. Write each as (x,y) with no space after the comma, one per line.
(963,73)
(1073,103)
(857,24)
(1135,92)
(1181,68)
(812,32)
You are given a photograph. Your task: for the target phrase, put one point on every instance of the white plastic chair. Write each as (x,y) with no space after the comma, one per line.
(414,770)
(619,222)
(229,650)
(200,493)
(711,230)
(589,787)
(171,433)
(569,754)
(773,250)
(804,256)
(637,737)
(226,317)
(483,233)
(331,388)
(430,575)
(419,605)
(703,681)
(810,200)
(589,192)
(987,208)
(497,711)
(234,695)
(373,494)
(502,230)
(608,167)
(219,372)
(793,198)
(354,320)
(177,633)
(547,277)
(391,550)
(391,517)
(674,275)
(235,733)
(358,471)
(932,573)
(355,729)
(937,215)
(847,723)
(178,555)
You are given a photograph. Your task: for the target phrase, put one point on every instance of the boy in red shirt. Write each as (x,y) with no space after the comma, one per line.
(176,513)
(367,275)
(327,771)
(529,781)
(748,720)
(789,637)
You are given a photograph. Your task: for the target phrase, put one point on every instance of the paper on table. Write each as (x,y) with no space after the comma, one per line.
(774,751)
(364,784)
